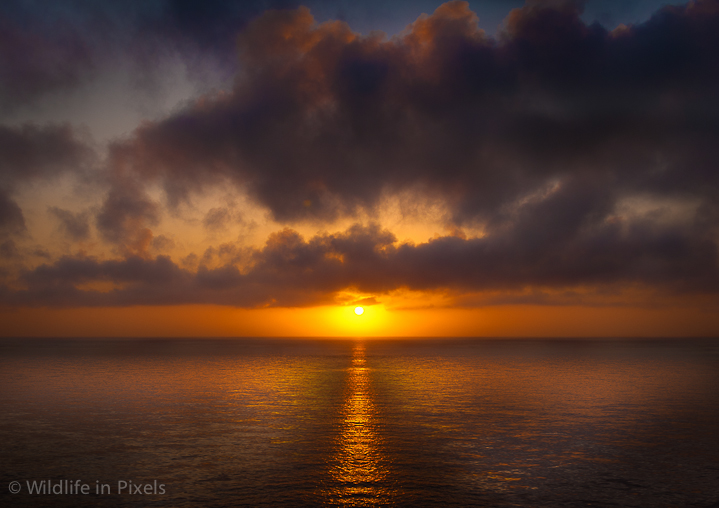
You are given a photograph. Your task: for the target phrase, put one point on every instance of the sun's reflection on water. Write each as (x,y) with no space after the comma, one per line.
(358,469)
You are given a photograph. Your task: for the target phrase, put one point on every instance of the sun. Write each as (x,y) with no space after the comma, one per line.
(359,311)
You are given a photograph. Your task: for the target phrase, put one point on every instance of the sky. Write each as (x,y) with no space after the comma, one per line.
(261,168)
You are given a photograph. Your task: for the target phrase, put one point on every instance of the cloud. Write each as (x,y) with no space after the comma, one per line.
(292,271)
(126,216)
(75,225)
(11,217)
(31,152)
(209,24)
(217,218)
(8,250)
(38,59)
(549,139)
(162,243)
(323,121)
(48,48)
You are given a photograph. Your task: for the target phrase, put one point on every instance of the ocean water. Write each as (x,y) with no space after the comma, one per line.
(297,422)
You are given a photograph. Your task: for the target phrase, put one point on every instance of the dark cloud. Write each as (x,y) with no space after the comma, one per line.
(8,250)
(36,58)
(47,47)
(12,224)
(140,281)
(31,151)
(162,243)
(211,25)
(551,139)
(225,254)
(75,225)
(217,218)
(292,271)
(323,121)
(11,217)
(126,216)
(132,269)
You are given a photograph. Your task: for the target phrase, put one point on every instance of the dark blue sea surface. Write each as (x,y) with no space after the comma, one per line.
(376,422)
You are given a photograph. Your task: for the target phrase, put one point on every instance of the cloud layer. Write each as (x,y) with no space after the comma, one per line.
(322,121)
(51,47)
(292,271)
(587,158)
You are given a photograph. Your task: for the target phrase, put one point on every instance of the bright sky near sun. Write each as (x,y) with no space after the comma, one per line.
(371,168)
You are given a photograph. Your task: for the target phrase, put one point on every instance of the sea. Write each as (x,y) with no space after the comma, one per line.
(443,422)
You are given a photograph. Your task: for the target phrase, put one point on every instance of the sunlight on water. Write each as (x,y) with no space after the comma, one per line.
(302,423)
(358,465)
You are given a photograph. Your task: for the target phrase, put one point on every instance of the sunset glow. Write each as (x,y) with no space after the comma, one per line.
(314,167)
(371,253)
